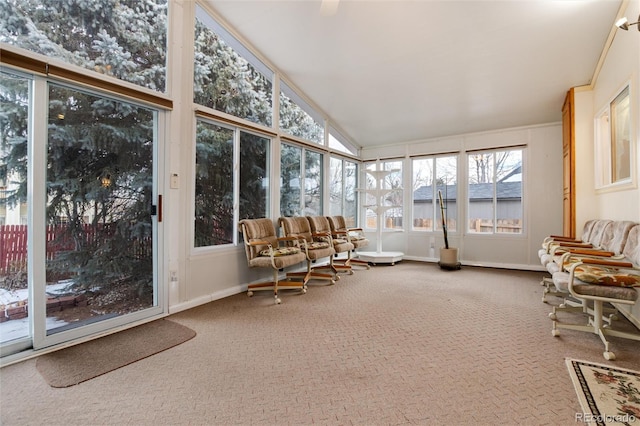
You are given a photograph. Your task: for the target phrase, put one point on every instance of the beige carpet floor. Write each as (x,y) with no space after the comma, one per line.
(408,344)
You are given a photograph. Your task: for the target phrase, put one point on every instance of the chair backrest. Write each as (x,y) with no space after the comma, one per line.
(297,225)
(319,224)
(616,234)
(337,223)
(586,230)
(598,231)
(257,230)
(632,247)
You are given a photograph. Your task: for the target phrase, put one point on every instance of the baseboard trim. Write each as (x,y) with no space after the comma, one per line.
(516,266)
(207,298)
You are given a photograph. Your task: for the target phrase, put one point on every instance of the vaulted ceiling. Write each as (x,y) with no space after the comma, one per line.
(398,71)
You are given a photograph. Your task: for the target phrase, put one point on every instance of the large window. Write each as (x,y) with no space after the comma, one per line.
(227,76)
(215,192)
(614,159)
(254,177)
(342,189)
(300,168)
(431,176)
(338,142)
(213,185)
(312,183)
(495,191)
(126,39)
(290,180)
(298,118)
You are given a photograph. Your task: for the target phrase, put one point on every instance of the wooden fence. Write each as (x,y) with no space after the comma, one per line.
(502,225)
(13,244)
(13,248)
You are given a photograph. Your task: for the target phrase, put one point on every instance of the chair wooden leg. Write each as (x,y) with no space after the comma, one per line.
(359,262)
(330,266)
(276,285)
(341,266)
(311,274)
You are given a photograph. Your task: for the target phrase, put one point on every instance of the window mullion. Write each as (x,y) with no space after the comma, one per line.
(236,182)
(343,194)
(37,167)
(434,195)
(495,193)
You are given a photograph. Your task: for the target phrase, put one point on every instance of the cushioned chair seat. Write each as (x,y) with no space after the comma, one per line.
(317,252)
(280,261)
(561,281)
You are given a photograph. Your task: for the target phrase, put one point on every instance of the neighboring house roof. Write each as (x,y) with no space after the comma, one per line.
(477,191)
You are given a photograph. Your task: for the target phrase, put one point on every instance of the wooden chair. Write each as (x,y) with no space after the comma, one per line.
(354,235)
(319,226)
(265,250)
(314,249)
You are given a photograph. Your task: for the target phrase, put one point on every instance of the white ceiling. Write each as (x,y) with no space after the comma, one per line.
(398,71)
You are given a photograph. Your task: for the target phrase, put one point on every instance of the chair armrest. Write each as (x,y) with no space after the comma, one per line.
(563,238)
(585,256)
(608,263)
(555,247)
(586,252)
(573,244)
(259,243)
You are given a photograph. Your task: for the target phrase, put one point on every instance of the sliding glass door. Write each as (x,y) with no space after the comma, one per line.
(99,227)
(78,240)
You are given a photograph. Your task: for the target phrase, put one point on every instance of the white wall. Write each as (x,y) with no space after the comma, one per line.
(621,65)
(542,197)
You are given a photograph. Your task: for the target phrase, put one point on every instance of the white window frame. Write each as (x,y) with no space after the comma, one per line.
(603,145)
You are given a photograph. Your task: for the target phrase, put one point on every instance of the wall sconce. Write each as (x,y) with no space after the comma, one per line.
(623,24)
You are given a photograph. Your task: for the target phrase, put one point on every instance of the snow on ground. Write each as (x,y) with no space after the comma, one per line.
(15,329)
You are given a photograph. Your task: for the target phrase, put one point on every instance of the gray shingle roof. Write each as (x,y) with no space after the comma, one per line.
(477,191)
